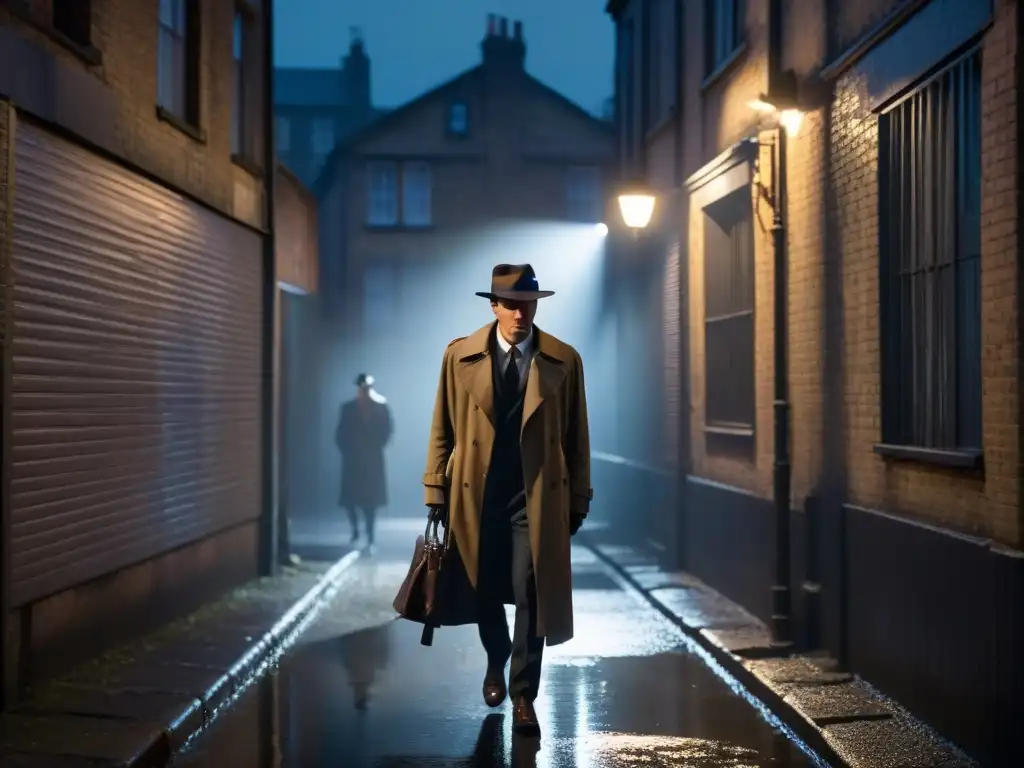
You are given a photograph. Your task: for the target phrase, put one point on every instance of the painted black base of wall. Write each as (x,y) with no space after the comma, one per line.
(932,618)
(936,620)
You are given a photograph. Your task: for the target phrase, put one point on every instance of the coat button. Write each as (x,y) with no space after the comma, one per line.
(476,407)
(474,443)
(465,485)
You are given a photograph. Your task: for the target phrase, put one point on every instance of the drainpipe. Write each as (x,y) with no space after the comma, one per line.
(268,560)
(781,470)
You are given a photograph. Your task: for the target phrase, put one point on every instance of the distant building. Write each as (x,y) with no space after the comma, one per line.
(492,147)
(317,108)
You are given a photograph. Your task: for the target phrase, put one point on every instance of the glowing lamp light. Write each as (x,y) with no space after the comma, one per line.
(789,118)
(601,228)
(637,208)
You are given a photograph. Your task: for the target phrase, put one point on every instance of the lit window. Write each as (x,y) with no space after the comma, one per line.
(382,194)
(416,195)
(458,118)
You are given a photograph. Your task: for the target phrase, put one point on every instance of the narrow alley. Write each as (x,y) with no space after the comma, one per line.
(359,690)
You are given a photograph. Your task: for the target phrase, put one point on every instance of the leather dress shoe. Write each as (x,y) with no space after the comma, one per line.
(494,687)
(524,717)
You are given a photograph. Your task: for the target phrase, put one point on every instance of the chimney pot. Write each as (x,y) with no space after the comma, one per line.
(518,30)
(492,23)
(504,26)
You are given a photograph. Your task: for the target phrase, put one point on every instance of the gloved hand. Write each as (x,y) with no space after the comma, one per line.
(438,513)
(575,521)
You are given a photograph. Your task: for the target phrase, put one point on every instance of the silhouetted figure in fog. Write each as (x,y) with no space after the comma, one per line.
(508,468)
(364,429)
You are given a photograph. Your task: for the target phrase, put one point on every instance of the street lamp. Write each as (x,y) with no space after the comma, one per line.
(782,103)
(636,204)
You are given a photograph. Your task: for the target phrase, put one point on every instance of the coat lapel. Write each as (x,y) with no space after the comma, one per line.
(474,370)
(546,374)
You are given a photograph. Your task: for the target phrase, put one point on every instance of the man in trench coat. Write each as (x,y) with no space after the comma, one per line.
(364,430)
(508,469)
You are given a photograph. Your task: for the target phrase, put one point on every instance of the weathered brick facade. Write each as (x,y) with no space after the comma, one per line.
(121,90)
(857,508)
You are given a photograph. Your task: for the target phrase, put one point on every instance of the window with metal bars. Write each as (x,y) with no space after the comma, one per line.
(729,315)
(930,243)
(726,22)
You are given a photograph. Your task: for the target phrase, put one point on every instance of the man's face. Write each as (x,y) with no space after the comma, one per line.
(515,318)
(363,392)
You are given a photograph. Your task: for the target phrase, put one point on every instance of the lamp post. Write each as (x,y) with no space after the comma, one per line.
(782,105)
(636,204)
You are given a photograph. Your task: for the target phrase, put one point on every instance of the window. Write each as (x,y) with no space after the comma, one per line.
(726,30)
(662,71)
(241,116)
(930,241)
(382,192)
(458,119)
(585,201)
(399,193)
(73,19)
(178,60)
(416,188)
(729,315)
(284,134)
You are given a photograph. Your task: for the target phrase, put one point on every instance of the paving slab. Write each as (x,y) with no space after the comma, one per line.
(137,704)
(832,704)
(700,609)
(842,717)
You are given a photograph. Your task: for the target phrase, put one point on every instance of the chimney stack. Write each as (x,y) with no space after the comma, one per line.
(503,48)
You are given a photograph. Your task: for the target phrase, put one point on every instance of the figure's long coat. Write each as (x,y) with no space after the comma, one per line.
(364,430)
(555,442)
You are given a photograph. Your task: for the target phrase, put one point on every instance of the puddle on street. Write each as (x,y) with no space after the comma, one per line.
(625,692)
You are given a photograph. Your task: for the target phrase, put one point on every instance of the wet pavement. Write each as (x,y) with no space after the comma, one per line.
(359,690)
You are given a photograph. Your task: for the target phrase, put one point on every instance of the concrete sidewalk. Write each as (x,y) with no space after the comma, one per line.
(136,706)
(841,717)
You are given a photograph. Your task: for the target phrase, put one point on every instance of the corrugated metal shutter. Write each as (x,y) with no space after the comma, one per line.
(136,377)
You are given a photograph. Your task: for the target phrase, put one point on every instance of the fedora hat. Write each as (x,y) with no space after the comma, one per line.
(515,282)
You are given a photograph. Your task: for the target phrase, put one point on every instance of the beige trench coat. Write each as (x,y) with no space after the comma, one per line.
(555,443)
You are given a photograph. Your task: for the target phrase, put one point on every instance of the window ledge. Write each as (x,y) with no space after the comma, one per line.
(729,431)
(725,66)
(400,227)
(195,133)
(247,165)
(959,458)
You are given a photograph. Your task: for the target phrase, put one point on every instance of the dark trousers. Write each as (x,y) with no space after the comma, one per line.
(369,515)
(505,553)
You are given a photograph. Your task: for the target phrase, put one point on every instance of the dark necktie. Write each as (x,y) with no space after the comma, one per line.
(511,383)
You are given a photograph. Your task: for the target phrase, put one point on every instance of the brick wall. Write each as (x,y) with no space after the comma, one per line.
(295,214)
(718,114)
(988,504)
(125,33)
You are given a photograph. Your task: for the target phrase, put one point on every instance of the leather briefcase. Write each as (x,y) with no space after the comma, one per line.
(436,591)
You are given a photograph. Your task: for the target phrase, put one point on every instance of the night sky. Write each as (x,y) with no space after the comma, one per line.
(417,44)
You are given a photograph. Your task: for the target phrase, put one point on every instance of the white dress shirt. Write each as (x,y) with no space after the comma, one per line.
(526,353)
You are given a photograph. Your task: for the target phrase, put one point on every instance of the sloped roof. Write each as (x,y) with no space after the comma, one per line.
(396,115)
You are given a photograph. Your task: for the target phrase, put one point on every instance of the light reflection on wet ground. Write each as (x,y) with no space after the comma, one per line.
(361,691)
